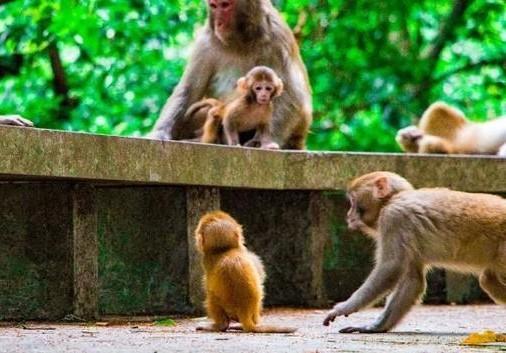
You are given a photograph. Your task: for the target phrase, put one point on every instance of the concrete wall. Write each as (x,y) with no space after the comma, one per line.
(88,230)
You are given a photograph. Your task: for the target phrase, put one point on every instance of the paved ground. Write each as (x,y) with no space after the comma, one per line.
(427,329)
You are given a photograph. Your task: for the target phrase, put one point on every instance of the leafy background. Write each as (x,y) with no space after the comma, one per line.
(107,66)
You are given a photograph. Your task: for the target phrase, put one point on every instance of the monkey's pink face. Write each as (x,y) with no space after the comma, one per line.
(222,12)
(263,91)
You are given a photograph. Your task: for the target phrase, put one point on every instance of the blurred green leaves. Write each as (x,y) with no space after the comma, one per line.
(374,65)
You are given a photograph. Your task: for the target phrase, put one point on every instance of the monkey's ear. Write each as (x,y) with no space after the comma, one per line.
(279,88)
(199,241)
(242,85)
(381,188)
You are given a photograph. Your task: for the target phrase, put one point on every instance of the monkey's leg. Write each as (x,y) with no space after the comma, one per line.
(232,135)
(495,285)
(219,317)
(246,319)
(255,140)
(411,286)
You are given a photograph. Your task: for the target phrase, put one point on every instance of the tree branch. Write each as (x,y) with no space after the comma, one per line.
(447,31)
(446,34)
(60,85)
(469,67)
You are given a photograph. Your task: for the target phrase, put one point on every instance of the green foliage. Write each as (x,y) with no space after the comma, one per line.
(165,322)
(374,65)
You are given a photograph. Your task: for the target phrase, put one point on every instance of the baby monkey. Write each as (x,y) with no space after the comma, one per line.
(415,229)
(233,276)
(250,109)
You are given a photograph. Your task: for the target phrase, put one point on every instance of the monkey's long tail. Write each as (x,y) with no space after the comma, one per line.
(274,329)
(206,103)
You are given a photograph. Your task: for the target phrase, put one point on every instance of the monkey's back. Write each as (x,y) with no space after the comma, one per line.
(234,282)
(448,227)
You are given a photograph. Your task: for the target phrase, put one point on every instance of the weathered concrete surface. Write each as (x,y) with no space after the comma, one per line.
(434,329)
(85,252)
(143,250)
(282,228)
(37,153)
(291,204)
(35,251)
(199,201)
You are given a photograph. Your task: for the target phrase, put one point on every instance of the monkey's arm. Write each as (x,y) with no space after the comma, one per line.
(15,120)
(230,128)
(414,140)
(408,138)
(381,280)
(410,287)
(434,144)
(191,88)
(292,114)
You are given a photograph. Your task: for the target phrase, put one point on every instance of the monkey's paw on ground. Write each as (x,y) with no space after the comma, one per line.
(478,338)
(362,329)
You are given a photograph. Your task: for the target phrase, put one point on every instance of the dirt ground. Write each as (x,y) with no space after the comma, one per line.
(426,329)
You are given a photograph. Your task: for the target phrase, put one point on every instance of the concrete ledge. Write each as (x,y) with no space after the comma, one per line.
(43,154)
(103,225)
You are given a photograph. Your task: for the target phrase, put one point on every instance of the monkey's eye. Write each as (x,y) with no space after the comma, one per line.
(360,211)
(258,88)
(225,5)
(268,88)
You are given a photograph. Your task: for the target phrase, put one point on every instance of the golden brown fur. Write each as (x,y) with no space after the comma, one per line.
(233,276)
(251,109)
(445,129)
(416,229)
(255,35)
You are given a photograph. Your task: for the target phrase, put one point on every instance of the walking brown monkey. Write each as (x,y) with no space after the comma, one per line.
(416,229)
(239,35)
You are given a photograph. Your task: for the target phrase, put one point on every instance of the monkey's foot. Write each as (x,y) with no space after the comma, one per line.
(411,133)
(211,328)
(271,146)
(363,329)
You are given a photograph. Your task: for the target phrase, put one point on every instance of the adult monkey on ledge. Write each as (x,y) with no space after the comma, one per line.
(239,35)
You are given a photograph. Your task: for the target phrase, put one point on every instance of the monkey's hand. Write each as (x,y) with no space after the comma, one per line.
(408,138)
(340,309)
(362,329)
(15,120)
(158,135)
